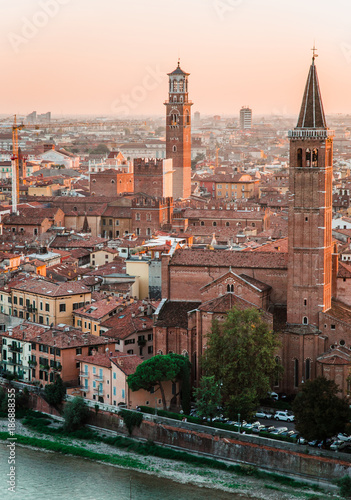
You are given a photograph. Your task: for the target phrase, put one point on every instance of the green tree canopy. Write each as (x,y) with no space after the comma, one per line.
(156,370)
(55,392)
(208,397)
(240,355)
(319,412)
(100,149)
(75,414)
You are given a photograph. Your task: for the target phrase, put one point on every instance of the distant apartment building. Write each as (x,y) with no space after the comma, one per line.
(44,302)
(245,118)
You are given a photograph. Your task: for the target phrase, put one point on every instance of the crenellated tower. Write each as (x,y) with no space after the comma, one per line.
(178,132)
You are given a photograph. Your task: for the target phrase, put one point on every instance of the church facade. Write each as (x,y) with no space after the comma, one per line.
(296,283)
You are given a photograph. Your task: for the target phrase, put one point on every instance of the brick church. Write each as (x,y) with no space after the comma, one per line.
(299,284)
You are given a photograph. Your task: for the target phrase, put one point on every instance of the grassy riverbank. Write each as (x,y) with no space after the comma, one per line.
(153,459)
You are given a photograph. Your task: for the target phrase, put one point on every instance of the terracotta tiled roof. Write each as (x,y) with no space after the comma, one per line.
(339,311)
(224,258)
(344,270)
(99,309)
(96,359)
(175,314)
(43,287)
(126,362)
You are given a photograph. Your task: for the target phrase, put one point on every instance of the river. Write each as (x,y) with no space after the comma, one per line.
(52,476)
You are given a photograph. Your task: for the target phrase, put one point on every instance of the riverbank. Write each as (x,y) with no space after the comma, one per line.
(175,470)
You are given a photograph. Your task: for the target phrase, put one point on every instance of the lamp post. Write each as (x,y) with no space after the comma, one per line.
(239,421)
(156,406)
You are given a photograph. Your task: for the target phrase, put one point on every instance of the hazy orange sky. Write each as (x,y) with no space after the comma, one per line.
(88,56)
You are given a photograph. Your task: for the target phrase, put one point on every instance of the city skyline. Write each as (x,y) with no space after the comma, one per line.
(108,59)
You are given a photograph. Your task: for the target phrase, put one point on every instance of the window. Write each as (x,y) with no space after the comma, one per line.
(150,336)
(41,306)
(305,302)
(14,299)
(299,157)
(174,149)
(150,349)
(41,320)
(47,307)
(123,393)
(104,224)
(137,216)
(307,369)
(130,351)
(79,350)
(129,341)
(114,375)
(214,223)
(62,307)
(332,327)
(227,224)
(296,373)
(306,219)
(202,223)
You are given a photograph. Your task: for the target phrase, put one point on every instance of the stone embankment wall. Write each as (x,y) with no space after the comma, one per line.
(275,456)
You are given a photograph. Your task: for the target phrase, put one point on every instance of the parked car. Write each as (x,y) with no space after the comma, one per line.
(314,443)
(336,445)
(257,428)
(284,415)
(267,428)
(279,430)
(273,395)
(263,414)
(343,437)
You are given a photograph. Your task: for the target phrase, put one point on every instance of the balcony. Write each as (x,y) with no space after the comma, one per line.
(11,361)
(82,388)
(98,392)
(14,348)
(98,378)
(84,374)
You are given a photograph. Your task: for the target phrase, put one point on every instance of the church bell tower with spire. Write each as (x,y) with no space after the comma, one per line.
(310,210)
(178,132)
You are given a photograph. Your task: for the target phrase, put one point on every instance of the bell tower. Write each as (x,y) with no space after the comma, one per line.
(310,210)
(178,132)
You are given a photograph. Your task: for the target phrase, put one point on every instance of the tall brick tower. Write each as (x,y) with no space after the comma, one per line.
(310,210)
(178,132)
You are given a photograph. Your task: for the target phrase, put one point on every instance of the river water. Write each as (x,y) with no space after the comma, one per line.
(52,476)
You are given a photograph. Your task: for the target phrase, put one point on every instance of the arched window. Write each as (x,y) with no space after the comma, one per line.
(174,119)
(308,157)
(305,320)
(232,288)
(174,149)
(175,85)
(299,157)
(202,223)
(228,288)
(227,224)
(296,373)
(174,98)
(315,158)
(214,223)
(181,86)
(307,369)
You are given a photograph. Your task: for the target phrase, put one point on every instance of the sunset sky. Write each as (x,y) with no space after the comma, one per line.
(87,56)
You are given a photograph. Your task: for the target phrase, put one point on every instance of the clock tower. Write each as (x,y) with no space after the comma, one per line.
(178,132)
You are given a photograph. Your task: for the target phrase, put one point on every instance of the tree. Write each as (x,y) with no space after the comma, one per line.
(319,412)
(75,414)
(240,355)
(186,388)
(208,397)
(156,370)
(54,393)
(100,149)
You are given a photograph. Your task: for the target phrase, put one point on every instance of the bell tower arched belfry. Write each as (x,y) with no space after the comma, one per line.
(310,210)
(178,132)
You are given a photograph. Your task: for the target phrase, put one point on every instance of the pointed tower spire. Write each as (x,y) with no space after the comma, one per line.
(312,112)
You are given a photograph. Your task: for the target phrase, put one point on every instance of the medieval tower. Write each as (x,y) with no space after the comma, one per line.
(178,132)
